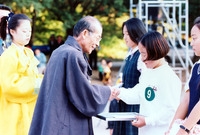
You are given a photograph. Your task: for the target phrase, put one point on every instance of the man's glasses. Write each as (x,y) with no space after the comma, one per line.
(98,38)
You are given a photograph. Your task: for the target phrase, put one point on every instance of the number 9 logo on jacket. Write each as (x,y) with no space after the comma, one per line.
(149,94)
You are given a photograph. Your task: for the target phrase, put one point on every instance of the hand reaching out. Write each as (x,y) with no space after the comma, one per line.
(114,93)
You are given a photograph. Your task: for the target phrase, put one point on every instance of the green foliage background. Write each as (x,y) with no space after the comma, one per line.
(58,17)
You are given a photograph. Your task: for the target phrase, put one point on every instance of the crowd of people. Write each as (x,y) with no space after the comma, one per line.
(59,98)
(54,42)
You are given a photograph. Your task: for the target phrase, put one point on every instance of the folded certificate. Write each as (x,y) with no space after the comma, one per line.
(117,116)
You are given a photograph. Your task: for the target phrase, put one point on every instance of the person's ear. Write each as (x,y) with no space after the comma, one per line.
(12,31)
(85,33)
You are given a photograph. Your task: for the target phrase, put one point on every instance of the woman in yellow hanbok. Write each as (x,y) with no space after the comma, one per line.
(19,78)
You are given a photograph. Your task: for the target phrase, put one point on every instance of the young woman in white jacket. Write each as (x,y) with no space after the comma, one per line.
(159,89)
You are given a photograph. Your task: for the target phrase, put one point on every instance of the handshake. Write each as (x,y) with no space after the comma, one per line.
(115,91)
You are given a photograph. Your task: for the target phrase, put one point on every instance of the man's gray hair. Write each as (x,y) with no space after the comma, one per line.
(87,22)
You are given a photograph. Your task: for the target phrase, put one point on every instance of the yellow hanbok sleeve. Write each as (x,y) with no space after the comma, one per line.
(19,75)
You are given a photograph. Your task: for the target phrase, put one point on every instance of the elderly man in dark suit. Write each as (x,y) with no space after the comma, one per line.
(67,100)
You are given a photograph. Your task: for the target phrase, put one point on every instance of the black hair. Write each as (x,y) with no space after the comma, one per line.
(156,45)
(108,61)
(197,22)
(4,7)
(13,23)
(3,24)
(135,28)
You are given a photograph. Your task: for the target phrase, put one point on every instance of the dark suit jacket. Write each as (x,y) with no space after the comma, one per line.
(67,100)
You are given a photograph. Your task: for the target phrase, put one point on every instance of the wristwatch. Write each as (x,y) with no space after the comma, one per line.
(185,129)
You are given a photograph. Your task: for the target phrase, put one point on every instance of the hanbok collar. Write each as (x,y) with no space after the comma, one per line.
(19,47)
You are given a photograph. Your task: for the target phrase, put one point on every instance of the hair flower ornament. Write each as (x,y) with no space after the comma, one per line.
(9,16)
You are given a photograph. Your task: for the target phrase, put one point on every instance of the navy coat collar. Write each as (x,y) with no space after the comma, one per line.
(72,42)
